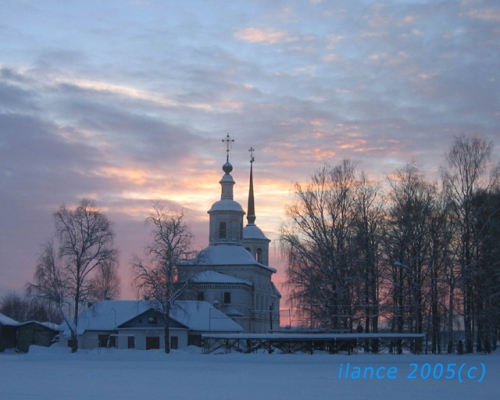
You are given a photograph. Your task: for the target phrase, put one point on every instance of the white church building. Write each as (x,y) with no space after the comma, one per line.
(230,289)
(233,272)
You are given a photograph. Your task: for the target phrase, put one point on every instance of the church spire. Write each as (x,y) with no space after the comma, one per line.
(251,202)
(227,181)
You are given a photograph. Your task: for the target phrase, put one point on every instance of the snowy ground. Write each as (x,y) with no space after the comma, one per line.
(186,374)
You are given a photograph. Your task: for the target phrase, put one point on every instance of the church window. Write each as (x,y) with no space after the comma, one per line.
(174,342)
(227,297)
(222,230)
(258,255)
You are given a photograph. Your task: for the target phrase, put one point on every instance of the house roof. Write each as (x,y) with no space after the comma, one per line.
(48,325)
(4,320)
(107,315)
(217,277)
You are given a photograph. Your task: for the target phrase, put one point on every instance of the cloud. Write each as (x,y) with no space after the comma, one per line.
(489,14)
(332,58)
(132,106)
(266,36)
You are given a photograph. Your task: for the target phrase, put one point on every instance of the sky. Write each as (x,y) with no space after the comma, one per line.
(127,102)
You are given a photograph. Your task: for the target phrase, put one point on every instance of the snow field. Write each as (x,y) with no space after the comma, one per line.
(186,374)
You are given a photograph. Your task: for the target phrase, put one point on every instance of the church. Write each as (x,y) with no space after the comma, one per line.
(230,290)
(233,272)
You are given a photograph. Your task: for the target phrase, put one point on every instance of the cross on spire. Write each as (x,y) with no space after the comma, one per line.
(251,201)
(251,150)
(228,142)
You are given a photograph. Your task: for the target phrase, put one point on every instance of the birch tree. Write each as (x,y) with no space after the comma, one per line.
(321,241)
(105,285)
(467,165)
(84,238)
(157,275)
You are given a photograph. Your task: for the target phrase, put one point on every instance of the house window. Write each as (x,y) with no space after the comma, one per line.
(195,340)
(174,342)
(227,297)
(152,342)
(131,342)
(107,341)
(152,320)
(222,230)
(201,296)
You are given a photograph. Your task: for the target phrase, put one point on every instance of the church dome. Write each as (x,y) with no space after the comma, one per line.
(252,231)
(227,167)
(226,205)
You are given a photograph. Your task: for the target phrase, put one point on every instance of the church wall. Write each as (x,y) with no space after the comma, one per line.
(253,246)
(240,299)
(230,232)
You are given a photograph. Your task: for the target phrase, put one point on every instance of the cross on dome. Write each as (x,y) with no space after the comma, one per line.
(228,142)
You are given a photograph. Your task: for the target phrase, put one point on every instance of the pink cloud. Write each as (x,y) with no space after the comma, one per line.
(267,36)
(489,14)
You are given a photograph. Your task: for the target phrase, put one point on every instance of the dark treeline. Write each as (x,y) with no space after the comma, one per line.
(415,257)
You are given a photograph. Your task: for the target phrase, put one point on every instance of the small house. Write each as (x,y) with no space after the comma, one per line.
(131,324)
(7,332)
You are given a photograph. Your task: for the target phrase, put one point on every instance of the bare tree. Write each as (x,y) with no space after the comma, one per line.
(157,276)
(22,308)
(50,282)
(468,160)
(327,245)
(85,238)
(15,306)
(369,224)
(105,285)
(407,246)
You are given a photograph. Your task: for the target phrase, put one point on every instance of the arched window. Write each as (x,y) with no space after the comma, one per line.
(222,230)
(258,255)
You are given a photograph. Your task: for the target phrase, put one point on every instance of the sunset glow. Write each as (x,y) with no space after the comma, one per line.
(131,106)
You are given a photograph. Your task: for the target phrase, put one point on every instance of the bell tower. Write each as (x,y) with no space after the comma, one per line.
(226,215)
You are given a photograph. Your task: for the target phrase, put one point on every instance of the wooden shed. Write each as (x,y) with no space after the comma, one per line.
(7,332)
(34,332)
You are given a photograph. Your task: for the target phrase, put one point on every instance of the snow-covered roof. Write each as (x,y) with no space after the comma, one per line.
(233,312)
(49,325)
(217,277)
(229,255)
(276,291)
(4,320)
(107,315)
(202,316)
(252,231)
(226,205)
